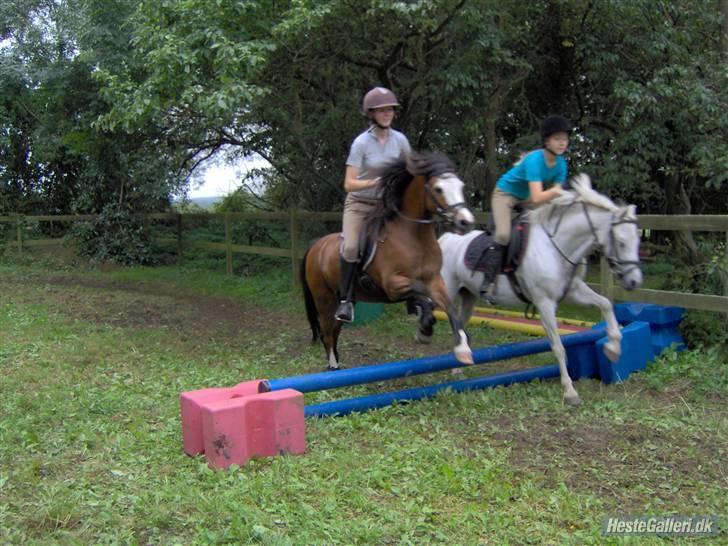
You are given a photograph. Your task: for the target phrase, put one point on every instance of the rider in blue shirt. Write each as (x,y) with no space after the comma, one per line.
(524,184)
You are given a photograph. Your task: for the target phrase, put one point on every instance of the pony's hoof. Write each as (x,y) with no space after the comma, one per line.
(612,352)
(456,371)
(573,400)
(422,338)
(464,357)
(333,368)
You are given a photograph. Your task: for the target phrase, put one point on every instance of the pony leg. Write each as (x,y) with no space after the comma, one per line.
(581,293)
(464,303)
(330,329)
(467,304)
(462,350)
(547,310)
(422,307)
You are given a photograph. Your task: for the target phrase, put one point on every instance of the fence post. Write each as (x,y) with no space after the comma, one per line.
(19,221)
(295,234)
(606,280)
(228,245)
(724,271)
(179,238)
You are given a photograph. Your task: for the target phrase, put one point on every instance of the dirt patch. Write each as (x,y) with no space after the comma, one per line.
(154,306)
(144,305)
(628,464)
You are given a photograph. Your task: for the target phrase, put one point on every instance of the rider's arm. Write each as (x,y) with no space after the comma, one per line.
(352,183)
(539,195)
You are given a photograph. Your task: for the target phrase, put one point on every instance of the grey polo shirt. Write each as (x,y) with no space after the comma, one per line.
(367,153)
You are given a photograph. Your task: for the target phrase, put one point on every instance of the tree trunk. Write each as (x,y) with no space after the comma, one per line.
(678,202)
(491,173)
(724,29)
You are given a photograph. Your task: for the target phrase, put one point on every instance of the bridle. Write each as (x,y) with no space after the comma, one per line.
(447,213)
(619,266)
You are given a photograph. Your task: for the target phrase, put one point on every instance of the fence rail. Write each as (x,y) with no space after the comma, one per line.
(294,219)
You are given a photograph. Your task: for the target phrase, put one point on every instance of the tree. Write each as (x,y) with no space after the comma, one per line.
(54,158)
(156,88)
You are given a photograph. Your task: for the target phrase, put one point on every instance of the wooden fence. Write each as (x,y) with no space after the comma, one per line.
(294,219)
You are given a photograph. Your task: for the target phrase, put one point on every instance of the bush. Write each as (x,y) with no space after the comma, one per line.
(704,329)
(115,236)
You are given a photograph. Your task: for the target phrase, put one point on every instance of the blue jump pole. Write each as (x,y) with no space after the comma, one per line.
(363,403)
(405,368)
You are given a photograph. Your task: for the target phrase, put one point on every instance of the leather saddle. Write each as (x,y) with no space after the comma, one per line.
(478,247)
(367,250)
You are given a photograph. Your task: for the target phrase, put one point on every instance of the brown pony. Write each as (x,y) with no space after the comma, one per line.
(407,259)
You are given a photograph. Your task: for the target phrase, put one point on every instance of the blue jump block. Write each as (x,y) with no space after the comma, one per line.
(663,321)
(581,361)
(636,353)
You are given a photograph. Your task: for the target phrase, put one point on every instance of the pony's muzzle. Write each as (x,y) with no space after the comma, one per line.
(463,222)
(631,280)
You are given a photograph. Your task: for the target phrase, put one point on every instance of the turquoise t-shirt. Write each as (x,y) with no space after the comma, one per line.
(532,168)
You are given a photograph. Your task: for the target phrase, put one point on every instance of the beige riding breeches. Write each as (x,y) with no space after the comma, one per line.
(356,210)
(501,204)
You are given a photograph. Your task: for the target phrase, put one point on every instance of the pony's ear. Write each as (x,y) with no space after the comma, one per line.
(414,161)
(565,198)
(409,164)
(580,182)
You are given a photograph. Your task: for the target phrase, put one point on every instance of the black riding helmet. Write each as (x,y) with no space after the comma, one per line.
(555,124)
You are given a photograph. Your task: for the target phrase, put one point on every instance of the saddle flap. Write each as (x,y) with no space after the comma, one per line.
(367,250)
(517,244)
(476,251)
(478,247)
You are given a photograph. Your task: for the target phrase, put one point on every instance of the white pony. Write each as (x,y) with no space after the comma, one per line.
(562,234)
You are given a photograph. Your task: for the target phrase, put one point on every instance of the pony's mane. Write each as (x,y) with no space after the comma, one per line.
(581,191)
(394,178)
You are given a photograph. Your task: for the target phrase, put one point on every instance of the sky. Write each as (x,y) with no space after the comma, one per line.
(221,178)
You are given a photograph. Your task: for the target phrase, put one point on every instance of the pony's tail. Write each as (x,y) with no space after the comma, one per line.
(311,312)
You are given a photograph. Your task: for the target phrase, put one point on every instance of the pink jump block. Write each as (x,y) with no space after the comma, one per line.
(191,404)
(232,425)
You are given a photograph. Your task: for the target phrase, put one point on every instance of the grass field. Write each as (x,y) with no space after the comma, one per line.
(90,442)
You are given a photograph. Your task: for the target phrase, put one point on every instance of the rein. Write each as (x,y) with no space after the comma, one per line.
(616,265)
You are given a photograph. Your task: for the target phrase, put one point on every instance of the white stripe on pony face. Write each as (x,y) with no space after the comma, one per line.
(450,188)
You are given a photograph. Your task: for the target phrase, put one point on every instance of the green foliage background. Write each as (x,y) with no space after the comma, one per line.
(118,102)
(112,106)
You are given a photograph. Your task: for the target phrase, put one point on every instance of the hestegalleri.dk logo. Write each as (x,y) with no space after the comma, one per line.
(660,525)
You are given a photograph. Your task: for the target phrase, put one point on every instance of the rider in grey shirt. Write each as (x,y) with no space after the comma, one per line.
(374,147)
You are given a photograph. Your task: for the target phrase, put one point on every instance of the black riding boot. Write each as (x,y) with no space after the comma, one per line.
(493,262)
(345,311)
